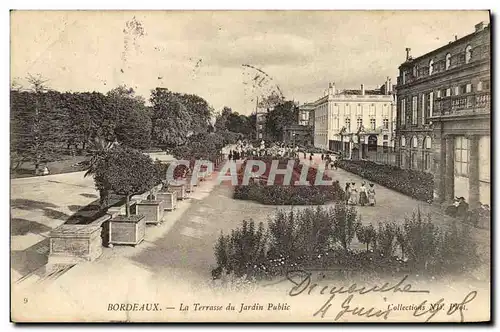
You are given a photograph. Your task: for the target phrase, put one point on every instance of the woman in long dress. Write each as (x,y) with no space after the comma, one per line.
(363,196)
(371,195)
(353,197)
(347,192)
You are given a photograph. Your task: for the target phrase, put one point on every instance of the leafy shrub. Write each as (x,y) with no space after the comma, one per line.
(385,238)
(417,184)
(321,237)
(241,250)
(345,224)
(421,240)
(367,235)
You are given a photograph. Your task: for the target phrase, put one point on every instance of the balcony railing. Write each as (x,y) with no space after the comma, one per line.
(467,103)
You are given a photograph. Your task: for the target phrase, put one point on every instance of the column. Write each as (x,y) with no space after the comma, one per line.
(473,171)
(438,167)
(449,176)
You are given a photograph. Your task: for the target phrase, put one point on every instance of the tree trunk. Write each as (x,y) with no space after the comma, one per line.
(103,198)
(127,206)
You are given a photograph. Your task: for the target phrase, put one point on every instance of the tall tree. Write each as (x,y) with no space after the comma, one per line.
(279,117)
(132,121)
(38,126)
(171,121)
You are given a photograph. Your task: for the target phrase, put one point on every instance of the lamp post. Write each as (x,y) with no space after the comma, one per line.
(361,135)
(342,132)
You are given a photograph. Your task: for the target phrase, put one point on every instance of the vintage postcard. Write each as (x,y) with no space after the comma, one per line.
(250,166)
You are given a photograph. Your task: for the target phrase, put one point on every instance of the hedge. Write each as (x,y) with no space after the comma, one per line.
(417,184)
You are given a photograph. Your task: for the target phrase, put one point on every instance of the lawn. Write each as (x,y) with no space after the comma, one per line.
(67,164)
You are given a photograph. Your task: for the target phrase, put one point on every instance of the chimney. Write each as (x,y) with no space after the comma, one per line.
(362,89)
(331,88)
(389,88)
(408,55)
(456,37)
(480,26)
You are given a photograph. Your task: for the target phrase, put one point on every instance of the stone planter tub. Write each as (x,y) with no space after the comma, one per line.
(179,189)
(169,199)
(152,210)
(75,243)
(127,230)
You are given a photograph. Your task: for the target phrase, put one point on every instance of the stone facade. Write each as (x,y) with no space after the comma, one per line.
(355,120)
(443,117)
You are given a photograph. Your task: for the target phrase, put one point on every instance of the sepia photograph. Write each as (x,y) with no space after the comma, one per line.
(263,166)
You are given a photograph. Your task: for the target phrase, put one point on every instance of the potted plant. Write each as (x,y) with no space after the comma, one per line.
(127,172)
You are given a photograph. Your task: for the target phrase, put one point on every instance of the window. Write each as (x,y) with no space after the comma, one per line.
(260,127)
(427,146)
(414,103)
(403,112)
(347,110)
(413,154)
(372,124)
(386,137)
(359,110)
(457,91)
(424,108)
(438,94)
(415,71)
(461,156)
(448,92)
(359,123)
(372,110)
(468,53)
(468,88)
(430,104)
(385,147)
(403,153)
(448,61)
(348,124)
(431,67)
(386,123)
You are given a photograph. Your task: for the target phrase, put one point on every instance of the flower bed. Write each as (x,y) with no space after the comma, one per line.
(320,238)
(413,183)
(279,193)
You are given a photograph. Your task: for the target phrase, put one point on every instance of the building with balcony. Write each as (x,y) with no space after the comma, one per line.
(443,116)
(355,122)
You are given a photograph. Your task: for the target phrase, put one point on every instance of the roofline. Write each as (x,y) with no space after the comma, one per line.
(437,50)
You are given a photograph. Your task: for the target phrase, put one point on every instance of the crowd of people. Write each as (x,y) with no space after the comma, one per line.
(460,209)
(362,196)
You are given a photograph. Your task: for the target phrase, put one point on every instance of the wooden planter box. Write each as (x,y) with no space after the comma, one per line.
(151,210)
(123,230)
(179,189)
(75,243)
(169,200)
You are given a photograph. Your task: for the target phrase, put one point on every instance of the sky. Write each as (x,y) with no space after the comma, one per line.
(230,58)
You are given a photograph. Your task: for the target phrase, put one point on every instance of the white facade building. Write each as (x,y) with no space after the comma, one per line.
(343,117)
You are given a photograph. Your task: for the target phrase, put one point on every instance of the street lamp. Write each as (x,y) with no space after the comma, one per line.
(342,132)
(360,134)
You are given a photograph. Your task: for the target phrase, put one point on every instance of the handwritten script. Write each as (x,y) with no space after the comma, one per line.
(303,285)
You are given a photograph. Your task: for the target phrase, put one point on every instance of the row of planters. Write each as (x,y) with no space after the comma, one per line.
(280,193)
(417,184)
(130,173)
(321,238)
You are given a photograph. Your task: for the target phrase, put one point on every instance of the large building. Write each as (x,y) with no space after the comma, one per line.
(443,116)
(344,119)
